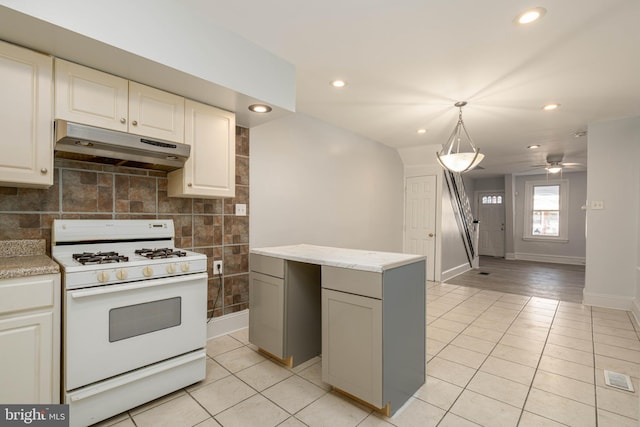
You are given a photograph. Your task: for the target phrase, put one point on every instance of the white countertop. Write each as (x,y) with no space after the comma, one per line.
(339,257)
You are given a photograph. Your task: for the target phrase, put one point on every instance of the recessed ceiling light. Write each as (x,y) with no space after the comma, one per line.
(550,107)
(338,83)
(533,147)
(421,131)
(531,15)
(260,108)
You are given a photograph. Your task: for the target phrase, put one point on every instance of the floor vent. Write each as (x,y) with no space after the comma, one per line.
(484,273)
(621,381)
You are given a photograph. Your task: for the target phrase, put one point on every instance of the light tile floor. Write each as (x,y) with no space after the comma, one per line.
(494,359)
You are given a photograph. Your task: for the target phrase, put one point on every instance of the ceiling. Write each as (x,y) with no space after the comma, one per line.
(407,62)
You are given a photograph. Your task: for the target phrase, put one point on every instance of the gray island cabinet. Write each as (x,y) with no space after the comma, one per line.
(363,311)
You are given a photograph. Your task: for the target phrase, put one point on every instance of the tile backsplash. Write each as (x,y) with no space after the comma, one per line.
(94,191)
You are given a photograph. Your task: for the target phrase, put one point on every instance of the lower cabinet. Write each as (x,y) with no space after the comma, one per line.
(352,344)
(284,308)
(373,333)
(30,339)
(266,313)
(369,326)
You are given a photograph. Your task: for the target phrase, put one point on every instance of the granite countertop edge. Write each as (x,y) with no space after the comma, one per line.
(24,258)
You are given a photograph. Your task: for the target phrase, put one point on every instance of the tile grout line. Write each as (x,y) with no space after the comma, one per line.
(535,373)
(485,359)
(595,380)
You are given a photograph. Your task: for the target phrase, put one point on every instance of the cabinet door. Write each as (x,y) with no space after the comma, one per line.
(352,344)
(155,113)
(25,118)
(210,171)
(27,353)
(91,97)
(266,313)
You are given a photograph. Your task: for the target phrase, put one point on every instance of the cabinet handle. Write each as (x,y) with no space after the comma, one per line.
(135,123)
(43,171)
(123,120)
(189,185)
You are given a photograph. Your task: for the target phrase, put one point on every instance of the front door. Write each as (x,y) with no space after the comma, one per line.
(491,215)
(420,219)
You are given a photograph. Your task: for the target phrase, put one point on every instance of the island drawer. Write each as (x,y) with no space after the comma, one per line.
(267,265)
(358,282)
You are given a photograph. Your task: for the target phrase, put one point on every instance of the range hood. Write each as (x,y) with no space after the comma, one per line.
(87,143)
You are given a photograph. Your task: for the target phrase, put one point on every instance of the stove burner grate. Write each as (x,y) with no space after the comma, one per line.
(88,258)
(160,253)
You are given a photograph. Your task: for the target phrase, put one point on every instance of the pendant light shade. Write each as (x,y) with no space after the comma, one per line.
(452,156)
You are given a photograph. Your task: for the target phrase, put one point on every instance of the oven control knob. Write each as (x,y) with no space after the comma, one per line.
(121,274)
(103,276)
(171,268)
(184,267)
(147,271)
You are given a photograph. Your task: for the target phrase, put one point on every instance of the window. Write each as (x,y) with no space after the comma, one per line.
(546,210)
(491,200)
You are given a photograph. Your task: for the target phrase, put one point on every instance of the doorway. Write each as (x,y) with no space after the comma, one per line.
(420,219)
(491,213)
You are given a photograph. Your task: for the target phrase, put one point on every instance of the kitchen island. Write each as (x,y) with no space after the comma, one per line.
(363,311)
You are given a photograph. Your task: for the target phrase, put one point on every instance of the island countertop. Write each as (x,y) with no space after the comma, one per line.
(356,259)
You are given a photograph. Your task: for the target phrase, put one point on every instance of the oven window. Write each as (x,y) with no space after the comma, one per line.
(133,320)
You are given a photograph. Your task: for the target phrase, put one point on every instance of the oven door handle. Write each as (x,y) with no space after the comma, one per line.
(111,289)
(118,382)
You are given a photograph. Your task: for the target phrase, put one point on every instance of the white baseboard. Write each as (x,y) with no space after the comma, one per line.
(607,301)
(635,309)
(555,259)
(226,324)
(453,272)
(509,255)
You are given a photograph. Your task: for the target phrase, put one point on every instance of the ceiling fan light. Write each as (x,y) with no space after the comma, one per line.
(554,169)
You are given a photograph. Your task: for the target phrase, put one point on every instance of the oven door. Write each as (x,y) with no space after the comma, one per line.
(114,329)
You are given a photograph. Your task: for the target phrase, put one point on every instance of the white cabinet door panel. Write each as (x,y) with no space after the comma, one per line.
(27,359)
(210,171)
(25,118)
(155,113)
(91,97)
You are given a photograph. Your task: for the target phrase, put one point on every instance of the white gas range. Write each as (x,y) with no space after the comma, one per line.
(134,314)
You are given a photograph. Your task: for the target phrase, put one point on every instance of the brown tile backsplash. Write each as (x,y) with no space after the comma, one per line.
(93,191)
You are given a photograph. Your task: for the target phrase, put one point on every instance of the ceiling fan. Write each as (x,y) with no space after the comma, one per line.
(555,164)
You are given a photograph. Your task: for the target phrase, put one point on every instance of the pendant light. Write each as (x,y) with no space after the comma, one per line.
(451,157)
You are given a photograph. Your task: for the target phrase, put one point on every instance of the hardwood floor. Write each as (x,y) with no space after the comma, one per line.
(556,281)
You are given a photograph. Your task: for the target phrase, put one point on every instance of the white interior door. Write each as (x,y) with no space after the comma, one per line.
(420,219)
(491,215)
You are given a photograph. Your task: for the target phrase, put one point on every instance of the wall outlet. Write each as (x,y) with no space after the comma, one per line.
(241,209)
(217,267)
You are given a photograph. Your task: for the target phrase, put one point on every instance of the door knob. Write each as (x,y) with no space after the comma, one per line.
(430,234)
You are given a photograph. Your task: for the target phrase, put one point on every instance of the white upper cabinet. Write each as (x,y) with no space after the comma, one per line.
(155,113)
(25,118)
(91,97)
(210,171)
